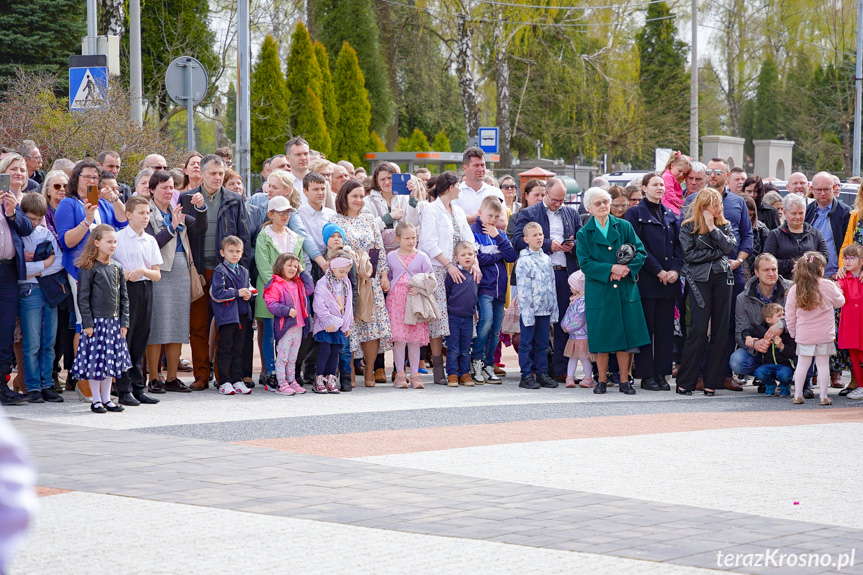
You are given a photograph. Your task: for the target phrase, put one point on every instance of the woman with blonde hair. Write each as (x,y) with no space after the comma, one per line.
(707,240)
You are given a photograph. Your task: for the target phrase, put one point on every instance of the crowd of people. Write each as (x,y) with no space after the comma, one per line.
(698,273)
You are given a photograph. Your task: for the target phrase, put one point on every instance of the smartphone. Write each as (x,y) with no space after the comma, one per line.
(186,202)
(400,184)
(93,195)
(568,241)
(4,182)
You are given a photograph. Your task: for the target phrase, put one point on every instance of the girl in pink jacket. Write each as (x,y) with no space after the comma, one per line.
(809,319)
(675,172)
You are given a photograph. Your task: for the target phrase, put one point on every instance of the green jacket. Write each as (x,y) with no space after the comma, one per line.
(615,319)
(266,254)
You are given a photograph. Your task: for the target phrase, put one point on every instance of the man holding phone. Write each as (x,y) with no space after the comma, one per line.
(13,226)
(559,223)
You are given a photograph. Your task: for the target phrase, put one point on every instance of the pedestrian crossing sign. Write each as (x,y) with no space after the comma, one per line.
(88,87)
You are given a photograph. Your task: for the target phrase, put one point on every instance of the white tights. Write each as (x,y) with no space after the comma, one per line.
(585,365)
(822,362)
(100,390)
(413,354)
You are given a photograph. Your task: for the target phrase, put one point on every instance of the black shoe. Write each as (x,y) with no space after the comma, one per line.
(262,380)
(650,384)
(807,393)
(111,406)
(212,378)
(273,381)
(35,397)
(709,392)
(128,399)
(663,384)
(545,381)
(249,384)
(626,387)
(529,382)
(177,385)
(9,397)
(156,386)
(98,408)
(761,388)
(846,391)
(50,394)
(143,398)
(345,383)
(601,387)
(680,391)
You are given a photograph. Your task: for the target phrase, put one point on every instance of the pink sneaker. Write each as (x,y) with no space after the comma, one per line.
(320,384)
(298,389)
(587,382)
(570,381)
(285,389)
(332,384)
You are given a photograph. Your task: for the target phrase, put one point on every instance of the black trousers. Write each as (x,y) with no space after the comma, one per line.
(140,312)
(328,357)
(654,359)
(561,285)
(716,313)
(248,353)
(9,302)
(307,357)
(232,343)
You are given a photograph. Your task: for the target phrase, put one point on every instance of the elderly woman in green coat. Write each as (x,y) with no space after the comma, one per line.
(615,320)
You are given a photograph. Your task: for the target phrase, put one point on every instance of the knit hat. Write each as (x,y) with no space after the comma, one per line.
(576,281)
(330,229)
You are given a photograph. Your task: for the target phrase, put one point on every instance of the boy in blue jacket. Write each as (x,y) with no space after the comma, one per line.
(230,291)
(494,250)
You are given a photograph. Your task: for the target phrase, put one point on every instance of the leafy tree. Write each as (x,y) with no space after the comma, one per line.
(768,122)
(376,144)
(441,143)
(39,36)
(328,92)
(269,110)
(310,122)
(231,113)
(338,21)
(418,141)
(662,78)
(354,109)
(179,28)
(302,71)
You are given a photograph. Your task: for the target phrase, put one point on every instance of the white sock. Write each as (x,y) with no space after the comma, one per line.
(95,392)
(106,390)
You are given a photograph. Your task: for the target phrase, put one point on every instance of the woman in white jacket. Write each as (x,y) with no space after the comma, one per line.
(443,226)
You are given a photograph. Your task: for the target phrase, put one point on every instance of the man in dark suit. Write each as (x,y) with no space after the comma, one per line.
(559,223)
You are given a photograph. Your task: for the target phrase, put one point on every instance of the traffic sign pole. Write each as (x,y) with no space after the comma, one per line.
(190,109)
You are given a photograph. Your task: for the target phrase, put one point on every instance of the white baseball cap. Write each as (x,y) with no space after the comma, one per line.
(278,204)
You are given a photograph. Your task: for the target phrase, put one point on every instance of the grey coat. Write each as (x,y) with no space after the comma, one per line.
(747,313)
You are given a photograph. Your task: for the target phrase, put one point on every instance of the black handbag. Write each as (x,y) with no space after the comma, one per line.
(625,254)
(55,288)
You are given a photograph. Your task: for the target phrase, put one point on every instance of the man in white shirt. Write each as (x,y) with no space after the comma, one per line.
(297,151)
(314,213)
(472,190)
(140,257)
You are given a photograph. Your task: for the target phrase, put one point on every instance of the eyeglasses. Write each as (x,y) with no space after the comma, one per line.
(509,187)
(89,177)
(37,158)
(154,168)
(714,172)
(58,187)
(601,203)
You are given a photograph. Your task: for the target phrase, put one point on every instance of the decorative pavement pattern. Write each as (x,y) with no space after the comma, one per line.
(493,479)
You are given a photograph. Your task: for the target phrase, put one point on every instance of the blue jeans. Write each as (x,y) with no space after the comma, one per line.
(488,328)
(533,347)
(269,347)
(458,345)
(345,359)
(769,373)
(39,329)
(743,363)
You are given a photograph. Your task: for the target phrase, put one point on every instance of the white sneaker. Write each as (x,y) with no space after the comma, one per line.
(226,389)
(476,371)
(856,394)
(490,376)
(240,387)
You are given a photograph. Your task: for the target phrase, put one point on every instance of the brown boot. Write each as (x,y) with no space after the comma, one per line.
(438,373)
(465,380)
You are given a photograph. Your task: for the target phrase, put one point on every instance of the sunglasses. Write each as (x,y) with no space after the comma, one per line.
(508,187)
(712,172)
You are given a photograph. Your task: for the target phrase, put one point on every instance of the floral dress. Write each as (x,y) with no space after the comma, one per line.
(363,234)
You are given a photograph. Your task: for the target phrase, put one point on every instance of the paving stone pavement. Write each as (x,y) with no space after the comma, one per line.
(258,480)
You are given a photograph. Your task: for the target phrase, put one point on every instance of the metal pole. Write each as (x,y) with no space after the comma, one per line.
(190,107)
(135,79)
(92,39)
(858,81)
(244,116)
(693,87)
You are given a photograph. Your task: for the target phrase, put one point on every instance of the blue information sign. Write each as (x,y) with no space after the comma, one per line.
(488,140)
(88,87)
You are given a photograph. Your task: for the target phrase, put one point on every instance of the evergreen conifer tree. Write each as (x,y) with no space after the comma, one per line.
(302,71)
(269,110)
(328,92)
(310,122)
(354,109)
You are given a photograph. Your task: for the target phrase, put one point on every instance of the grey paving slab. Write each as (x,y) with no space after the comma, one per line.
(258,480)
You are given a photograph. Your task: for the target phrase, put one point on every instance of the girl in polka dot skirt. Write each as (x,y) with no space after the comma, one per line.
(104,306)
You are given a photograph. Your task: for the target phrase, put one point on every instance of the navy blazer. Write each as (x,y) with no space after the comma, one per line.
(20,226)
(536,213)
(661,241)
(838,215)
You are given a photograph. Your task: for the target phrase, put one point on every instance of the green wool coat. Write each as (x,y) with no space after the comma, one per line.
(615,319)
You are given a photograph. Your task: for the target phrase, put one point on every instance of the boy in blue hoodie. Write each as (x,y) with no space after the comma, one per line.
(230,291)
(494,250)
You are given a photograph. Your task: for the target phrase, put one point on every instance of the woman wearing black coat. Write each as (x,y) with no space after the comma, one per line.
(755,188)
(658,281)
(795,237)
